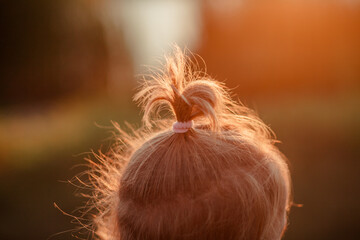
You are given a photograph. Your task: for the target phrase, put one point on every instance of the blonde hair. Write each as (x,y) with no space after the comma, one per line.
(222,179)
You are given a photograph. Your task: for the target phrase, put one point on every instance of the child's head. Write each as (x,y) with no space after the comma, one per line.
(220,178)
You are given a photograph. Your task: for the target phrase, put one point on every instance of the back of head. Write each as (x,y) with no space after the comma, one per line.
(221,179)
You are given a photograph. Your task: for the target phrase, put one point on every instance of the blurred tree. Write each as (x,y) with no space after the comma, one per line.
(50,49)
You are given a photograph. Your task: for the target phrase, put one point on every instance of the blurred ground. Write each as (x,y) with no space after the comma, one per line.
(67,68)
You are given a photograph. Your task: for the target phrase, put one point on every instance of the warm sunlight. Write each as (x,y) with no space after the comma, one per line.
(69,69)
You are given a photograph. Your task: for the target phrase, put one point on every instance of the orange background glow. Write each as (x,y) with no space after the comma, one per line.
(69,67)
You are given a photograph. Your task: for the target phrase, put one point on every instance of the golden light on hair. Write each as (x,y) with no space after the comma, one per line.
(221,179)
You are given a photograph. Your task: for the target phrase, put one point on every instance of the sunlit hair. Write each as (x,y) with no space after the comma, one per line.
(222,179)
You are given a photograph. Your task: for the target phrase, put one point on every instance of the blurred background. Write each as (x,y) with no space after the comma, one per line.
(70,66)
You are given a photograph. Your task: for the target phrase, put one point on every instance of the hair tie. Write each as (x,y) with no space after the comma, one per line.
(182,127)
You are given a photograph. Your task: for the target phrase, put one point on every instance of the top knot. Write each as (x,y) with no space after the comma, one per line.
(190,93)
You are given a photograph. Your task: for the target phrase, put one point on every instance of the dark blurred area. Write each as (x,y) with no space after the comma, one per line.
(40,44)
(70,66)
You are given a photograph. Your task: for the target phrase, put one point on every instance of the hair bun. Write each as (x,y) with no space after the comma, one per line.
(190,94)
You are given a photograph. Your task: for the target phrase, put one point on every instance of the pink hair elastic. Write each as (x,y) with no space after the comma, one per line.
(182,127)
